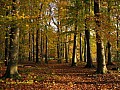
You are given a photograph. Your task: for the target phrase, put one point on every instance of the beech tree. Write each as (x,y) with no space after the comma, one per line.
(73,20)
(101,65)
(87,35)
(12,68)
(7,43)
(117,3)
(38,35)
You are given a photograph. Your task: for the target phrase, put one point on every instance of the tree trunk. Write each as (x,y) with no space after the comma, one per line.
(89,58)
(66,47)
(87,36)
(58,51)
(41,46)
(38,37)
(85,50)
(58,46)
(109,54)
(6,47)
(117,38)
(12,68)
(108,43)
(37,48)
(6,43)
(74,60)
(101,65)
(33,50)
(29,58)
(46,51)
(69,40)
(81,59)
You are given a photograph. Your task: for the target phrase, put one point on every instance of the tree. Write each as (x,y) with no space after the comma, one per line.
(87,36)
(12,68)
(85,51)
(38,36)
(29,57)
(56,20)
(66,46)
(6,47)
(101,65)
(7,44)
(117,28)
(74,59)
(81,59)
(109,43)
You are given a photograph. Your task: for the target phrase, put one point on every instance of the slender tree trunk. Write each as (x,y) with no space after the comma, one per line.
(69,40)
(89,58)
(109,54)
(33,50)
(74,58)
(38,37)
(66,47)
(41,46)
(58,51)
(85,50)
(81,59)
(46,50)
(6,44)
(117,38)
(108,43)
(58,46)
(87,36)
(6,47)
(37,45)
(74,55)
(101,65)
(29,58)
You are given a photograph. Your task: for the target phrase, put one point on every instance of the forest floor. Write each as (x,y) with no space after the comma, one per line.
(60,77)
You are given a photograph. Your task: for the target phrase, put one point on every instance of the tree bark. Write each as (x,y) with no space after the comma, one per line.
(6,48)
(108,43)
(101,65)
(66,47)
(87,36)
(117,38)
(6,43)
(29,58)
(38,37)
(85,50)
(41,45)
(33,50)
(12,68)
(109,54)
(58,42)
(37,48)
(46,51)
(74,58)
(89,58)
(81,59)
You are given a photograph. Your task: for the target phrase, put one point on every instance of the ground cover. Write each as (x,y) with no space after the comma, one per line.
(60,77)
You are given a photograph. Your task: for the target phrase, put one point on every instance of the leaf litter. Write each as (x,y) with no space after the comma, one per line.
(60,77)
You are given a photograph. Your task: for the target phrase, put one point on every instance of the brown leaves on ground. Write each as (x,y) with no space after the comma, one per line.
(60,77)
